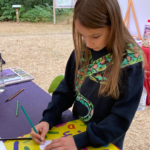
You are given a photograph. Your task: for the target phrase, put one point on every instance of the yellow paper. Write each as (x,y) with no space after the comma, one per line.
(67,129)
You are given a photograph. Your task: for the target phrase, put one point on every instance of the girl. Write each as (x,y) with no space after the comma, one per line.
(104,79)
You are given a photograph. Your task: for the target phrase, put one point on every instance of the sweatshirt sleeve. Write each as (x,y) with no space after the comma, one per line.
(117,123)
(63,97)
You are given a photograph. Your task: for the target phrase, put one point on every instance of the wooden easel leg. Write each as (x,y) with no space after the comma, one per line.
(128,20)
(128,11)
(135,19)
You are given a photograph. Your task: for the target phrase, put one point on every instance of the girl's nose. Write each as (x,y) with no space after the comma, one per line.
(88,42)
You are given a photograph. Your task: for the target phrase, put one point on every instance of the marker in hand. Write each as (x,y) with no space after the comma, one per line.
(30,121)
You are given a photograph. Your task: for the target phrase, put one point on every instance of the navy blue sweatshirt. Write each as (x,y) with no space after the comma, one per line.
(107,119)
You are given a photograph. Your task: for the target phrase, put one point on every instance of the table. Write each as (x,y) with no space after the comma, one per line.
(147,75)
(33,99)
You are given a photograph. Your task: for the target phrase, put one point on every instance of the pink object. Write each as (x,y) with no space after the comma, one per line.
(147,75)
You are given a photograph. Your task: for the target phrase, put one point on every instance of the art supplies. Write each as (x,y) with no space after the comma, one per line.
(146,36)
(14,95)
(15,75)
(17,108)
(64,130)
(138,41)
(29,121)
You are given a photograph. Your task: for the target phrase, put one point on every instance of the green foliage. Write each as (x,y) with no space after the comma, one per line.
(28,4)
(7,12)
(38,13)
(31,10)
(1,2)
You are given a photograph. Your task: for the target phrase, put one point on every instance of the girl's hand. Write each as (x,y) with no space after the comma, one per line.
(42,128)
(64,143)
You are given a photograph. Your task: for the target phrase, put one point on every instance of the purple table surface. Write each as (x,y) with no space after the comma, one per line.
(34,100)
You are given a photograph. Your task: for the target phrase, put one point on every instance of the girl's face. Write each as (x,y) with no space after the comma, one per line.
(95,39)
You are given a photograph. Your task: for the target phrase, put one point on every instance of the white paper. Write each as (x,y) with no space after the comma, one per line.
(2,146)
(44,145)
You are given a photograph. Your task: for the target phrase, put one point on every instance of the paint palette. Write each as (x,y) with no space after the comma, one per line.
(64,130)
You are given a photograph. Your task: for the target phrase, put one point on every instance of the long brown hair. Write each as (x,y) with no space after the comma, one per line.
(98,14)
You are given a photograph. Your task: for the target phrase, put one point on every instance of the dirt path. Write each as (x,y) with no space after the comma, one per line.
(42,50)
(39,49)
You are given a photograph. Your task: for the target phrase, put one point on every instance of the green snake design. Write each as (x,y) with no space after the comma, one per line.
(96,71)
(88,104)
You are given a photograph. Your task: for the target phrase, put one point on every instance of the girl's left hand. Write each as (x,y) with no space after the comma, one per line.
(64,143)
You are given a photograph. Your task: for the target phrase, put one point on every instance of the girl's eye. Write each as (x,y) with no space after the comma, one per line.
(96,37)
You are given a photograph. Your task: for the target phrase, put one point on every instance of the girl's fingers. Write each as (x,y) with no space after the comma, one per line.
(37,141)
(42,139)
(55,144)
(48,147)
(36,138)
(40,131)
(35,135)
(32,133)
(56,141)
(43,133)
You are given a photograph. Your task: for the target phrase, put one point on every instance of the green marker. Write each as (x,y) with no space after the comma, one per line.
(30,121)
(17,108)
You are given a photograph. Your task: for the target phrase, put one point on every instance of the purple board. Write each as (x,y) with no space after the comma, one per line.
(33,99)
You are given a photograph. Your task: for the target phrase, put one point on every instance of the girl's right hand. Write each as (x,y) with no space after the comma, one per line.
(42,128)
